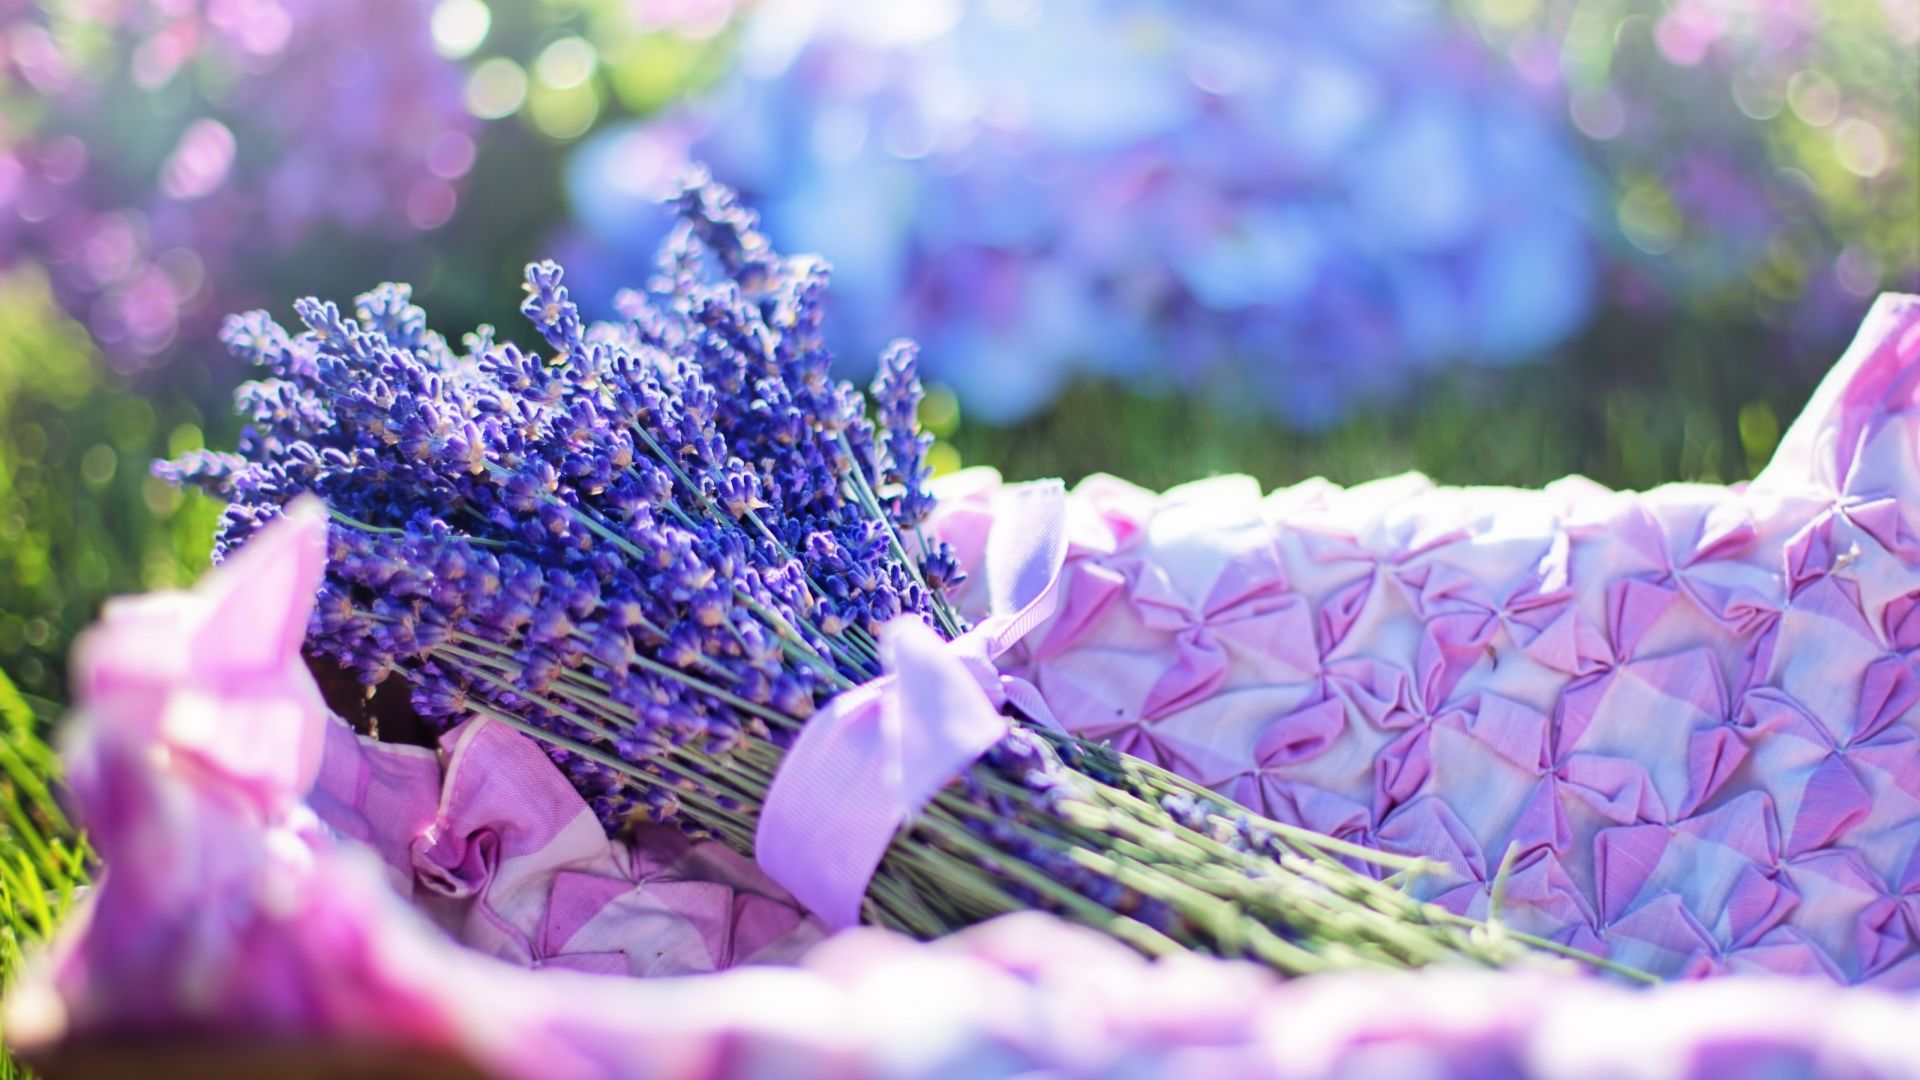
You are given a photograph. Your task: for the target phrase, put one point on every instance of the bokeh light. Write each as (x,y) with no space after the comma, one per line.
(460,27)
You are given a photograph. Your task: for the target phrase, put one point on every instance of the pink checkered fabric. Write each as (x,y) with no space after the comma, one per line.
(1690,711)
(490,840)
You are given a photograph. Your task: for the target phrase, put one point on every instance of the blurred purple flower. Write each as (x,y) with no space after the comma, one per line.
(1303,202)
(154,149)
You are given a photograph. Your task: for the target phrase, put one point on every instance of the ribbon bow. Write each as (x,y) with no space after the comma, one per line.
(871,759)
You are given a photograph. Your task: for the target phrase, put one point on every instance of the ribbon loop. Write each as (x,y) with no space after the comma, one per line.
(870,759)
(1026,549)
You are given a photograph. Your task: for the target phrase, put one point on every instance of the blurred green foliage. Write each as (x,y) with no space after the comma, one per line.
(1633,405)
(81,519)
(43,861)
(1761,155)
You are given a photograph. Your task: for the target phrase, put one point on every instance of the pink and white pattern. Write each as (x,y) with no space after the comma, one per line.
(1690,711)
(490,840)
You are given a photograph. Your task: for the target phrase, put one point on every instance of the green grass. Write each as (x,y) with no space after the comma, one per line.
(81,518)
(43,860)
(1632,405)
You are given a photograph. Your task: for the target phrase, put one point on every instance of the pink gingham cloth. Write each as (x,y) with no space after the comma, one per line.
(1690,712)
(489,839)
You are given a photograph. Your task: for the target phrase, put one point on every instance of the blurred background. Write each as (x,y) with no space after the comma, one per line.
(1494,240)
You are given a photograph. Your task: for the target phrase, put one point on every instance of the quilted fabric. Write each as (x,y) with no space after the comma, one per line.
(1689,712)
(491,842)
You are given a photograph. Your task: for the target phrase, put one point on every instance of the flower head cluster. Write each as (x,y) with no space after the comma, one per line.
(1307,202)
(276,117)
(679,519)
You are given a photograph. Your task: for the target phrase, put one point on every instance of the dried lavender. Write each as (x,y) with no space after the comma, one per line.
(660,545)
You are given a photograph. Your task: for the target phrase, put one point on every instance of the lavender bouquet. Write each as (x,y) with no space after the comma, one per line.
(670,549)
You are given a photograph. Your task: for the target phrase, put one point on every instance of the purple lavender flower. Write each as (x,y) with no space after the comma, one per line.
(667,502)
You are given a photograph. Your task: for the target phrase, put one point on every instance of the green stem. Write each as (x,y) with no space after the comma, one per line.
(864,493)
(1136,933)
(591,685)
(384,530)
